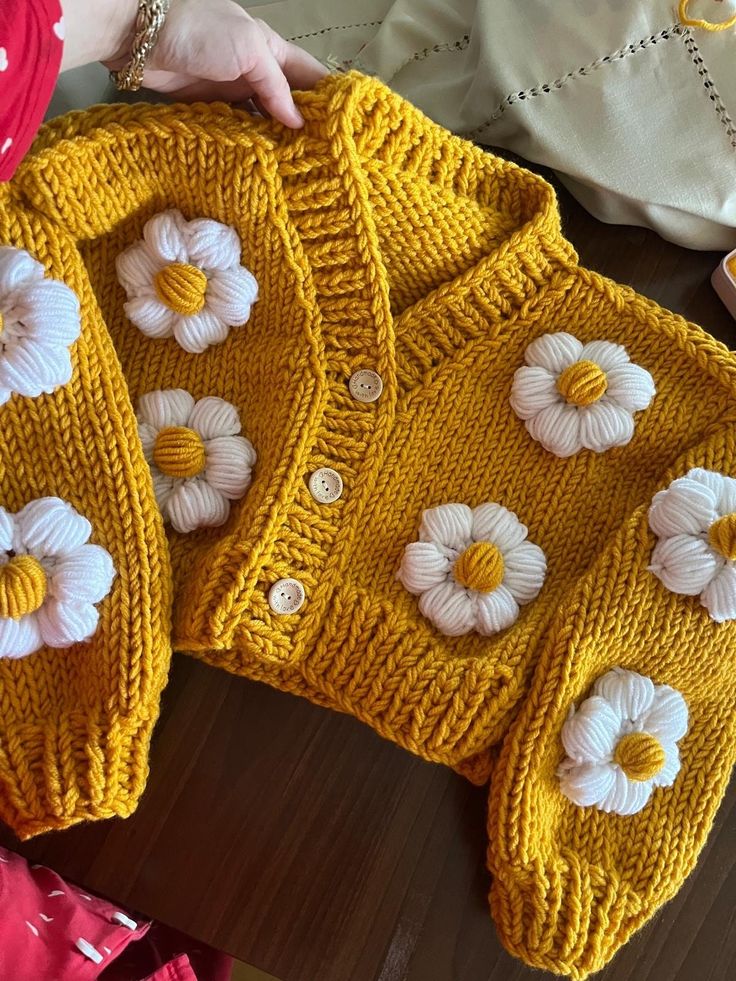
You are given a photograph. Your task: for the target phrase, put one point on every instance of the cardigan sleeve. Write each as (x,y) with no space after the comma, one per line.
(31,44)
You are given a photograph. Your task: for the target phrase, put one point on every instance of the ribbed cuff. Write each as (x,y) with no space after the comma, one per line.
(569,918)
(57,773)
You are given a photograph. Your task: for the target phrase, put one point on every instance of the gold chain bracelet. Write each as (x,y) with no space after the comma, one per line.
(148,23)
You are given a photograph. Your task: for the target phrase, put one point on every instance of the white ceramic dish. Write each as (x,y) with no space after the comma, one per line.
(724,281)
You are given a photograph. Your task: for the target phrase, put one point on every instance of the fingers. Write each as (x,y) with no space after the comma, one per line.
(269,83)
(188,88)
(301,69)
(231,56)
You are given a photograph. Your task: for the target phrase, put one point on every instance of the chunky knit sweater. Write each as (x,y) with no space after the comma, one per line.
(393,430)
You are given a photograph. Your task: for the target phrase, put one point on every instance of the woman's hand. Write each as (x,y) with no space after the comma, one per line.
(207,49)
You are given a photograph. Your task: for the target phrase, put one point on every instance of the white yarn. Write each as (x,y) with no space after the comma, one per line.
(213,248)
(78,575)
(427,568)
(621,702)
(563,428)
(204,500)
(683,558)
(40,321)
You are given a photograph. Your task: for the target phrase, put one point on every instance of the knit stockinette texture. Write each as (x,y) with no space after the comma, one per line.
(571,884)
(378,241)
(76,722)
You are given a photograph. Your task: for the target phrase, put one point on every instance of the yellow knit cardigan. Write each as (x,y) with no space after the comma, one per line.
(380,244)
(460,567)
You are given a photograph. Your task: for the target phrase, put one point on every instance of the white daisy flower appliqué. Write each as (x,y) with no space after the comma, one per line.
(472,568)
(574,396)
(695,521)
(621,743)
(185,280)
(39,321)
(50,577)
(198,459)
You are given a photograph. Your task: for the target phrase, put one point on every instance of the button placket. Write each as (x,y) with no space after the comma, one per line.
(325,484)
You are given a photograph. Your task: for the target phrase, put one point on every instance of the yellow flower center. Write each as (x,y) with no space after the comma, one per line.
(179,452)
(582,383)
(181,287)
(22,586)
(722,536)
(480,567)
(2,322)
(640,755)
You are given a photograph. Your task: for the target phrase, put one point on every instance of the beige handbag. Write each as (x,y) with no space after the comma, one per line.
(633,104)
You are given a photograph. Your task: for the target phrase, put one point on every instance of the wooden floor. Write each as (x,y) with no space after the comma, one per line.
(301,843)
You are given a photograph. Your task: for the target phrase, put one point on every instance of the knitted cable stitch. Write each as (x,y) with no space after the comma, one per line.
(404,278)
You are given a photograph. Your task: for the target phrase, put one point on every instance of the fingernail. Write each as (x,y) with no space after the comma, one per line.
(294,115)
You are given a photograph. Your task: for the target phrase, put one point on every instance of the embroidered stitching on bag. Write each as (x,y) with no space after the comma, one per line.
(709,85)
(337,27)
(544,89)
(459,45)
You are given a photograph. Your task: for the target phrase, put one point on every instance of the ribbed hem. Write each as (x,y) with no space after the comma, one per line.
(478,767)
(54,774)
(445,709)
(569,918)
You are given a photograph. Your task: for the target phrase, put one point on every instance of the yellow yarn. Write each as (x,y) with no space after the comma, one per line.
(22,586)
(583,383)
(181,287)
(480,567)
(640,755)
(722,536)
(379,242)
(76,723)
(179,452)
(705,25)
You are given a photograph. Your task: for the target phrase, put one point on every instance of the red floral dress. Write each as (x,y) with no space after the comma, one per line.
(31,43)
